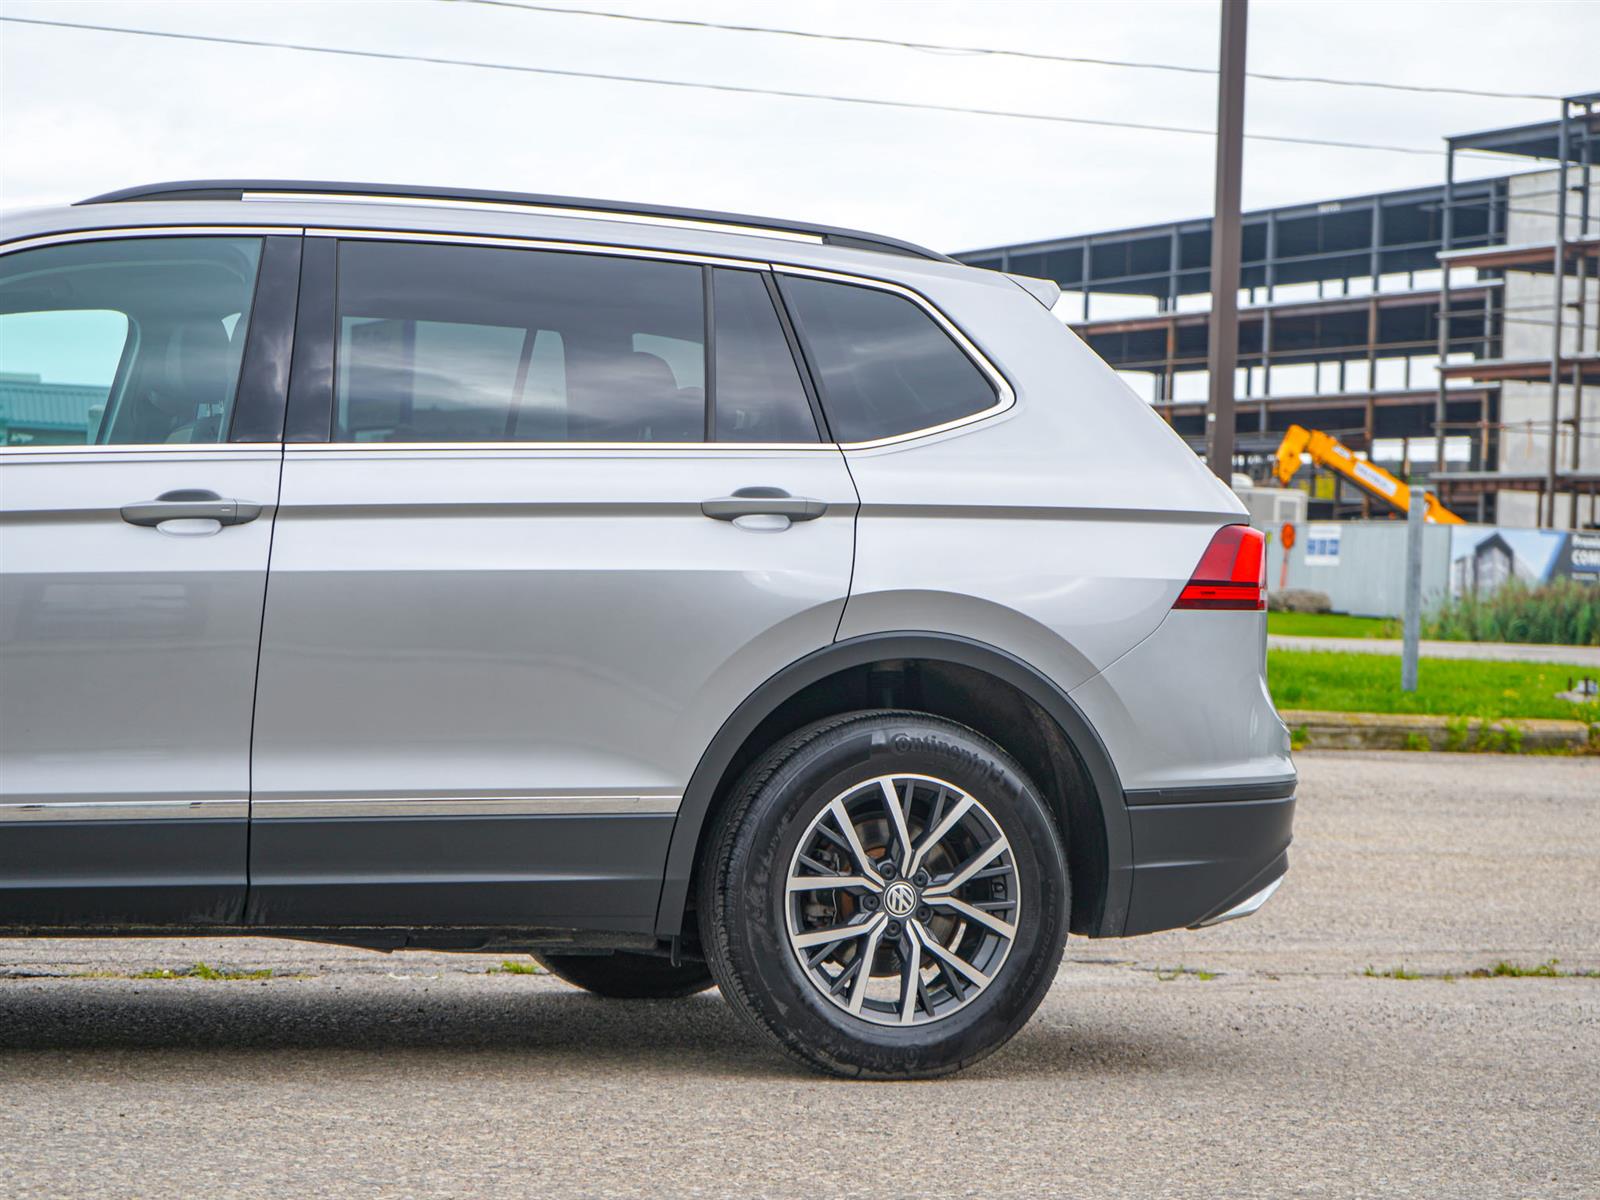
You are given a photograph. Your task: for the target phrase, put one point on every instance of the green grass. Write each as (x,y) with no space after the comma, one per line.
(1331,625)
(512,966)
(202,970)
(1328,681)
(1545,970)
(1501,970)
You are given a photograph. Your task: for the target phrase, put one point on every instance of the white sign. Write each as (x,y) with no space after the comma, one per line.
(1322,545)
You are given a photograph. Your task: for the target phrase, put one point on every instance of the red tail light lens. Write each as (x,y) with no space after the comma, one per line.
(1232,572)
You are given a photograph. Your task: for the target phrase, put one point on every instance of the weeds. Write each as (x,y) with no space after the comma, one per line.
(513,967)
(1179,972)
(1564,612)
(1549,969)
(199,970)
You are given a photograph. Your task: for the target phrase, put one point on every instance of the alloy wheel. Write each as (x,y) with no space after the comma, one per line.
(902,900)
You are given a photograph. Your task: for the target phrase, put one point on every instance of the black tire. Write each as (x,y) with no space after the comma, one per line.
(745,906)
(628,976)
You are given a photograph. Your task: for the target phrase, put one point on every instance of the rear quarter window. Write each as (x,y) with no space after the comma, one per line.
(884,366)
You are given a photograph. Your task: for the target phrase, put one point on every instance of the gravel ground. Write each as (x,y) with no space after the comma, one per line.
(1289,1072)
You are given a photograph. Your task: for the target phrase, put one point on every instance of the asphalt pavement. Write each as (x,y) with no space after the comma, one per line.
(1257,1059)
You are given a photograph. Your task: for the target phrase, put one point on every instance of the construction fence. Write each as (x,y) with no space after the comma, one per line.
(1361,564)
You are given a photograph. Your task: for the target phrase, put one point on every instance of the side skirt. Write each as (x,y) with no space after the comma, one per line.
(593,872)
(111,874)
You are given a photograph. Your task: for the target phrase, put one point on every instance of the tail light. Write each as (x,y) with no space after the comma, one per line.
(1232,572)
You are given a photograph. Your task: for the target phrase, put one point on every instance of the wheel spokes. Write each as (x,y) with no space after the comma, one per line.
(813,883)
(911,986)
(841,815)
(935,835)
(969,868)
(949,959)
(897,818)
(838,933)
(976,915)
(869,952)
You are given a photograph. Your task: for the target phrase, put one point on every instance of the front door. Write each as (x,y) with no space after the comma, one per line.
(553,536)
(133,559)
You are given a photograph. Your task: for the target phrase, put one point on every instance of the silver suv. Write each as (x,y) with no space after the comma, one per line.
(681,597)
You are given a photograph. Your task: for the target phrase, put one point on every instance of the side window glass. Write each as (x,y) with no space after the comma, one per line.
(132,342)
(884,366)
(445,343)
(759,396)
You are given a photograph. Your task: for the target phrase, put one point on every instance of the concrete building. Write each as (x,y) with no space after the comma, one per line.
(1349,308)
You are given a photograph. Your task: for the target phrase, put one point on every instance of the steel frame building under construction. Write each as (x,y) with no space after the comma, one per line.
(1349,307)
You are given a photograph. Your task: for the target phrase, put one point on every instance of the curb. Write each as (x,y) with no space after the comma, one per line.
(1414,731)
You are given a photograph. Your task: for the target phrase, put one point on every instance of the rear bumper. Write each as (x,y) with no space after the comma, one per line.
(1200,853)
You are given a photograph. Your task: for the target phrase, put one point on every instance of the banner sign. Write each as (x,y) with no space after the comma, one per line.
(1322,545)
(1484,558)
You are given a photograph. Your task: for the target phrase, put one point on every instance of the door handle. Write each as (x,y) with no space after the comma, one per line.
(763,502)
(190,504)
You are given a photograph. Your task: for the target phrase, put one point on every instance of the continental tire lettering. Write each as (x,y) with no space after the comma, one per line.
(906,743)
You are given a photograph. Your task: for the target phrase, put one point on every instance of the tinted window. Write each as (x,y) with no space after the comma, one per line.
(132,342)
(468,343)
(884,365)
(759,394)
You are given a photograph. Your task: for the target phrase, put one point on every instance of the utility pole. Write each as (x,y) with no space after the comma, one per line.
(1223,356)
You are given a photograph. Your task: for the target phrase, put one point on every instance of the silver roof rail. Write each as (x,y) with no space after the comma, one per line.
(242,189)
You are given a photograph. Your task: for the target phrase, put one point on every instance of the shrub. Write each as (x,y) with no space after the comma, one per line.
(1565,612)
(1299,600)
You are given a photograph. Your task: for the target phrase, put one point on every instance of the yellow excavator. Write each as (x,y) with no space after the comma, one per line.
(1328,451)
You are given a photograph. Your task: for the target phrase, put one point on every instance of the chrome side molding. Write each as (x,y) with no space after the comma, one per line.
(367,807)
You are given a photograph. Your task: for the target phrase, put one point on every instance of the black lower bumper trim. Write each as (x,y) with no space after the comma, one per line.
(1193,860)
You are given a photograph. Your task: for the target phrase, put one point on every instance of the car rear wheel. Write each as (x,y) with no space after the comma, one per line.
(885,896)
(628,976)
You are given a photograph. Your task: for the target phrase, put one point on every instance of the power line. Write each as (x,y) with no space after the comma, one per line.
(1001,52)
(392,56)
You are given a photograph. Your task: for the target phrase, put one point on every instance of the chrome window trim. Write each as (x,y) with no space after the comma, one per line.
(1006,395)
(118,233)
(322,807)
(124,810)
(247,450)
(588,449)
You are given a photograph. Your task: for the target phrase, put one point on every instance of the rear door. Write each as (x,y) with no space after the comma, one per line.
(550,525)
(141,395)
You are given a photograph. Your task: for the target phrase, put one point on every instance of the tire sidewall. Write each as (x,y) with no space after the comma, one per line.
(756,912)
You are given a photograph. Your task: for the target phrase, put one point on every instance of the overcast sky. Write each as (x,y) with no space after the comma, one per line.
(82,112)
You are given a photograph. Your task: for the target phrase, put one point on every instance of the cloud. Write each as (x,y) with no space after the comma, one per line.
(86,112)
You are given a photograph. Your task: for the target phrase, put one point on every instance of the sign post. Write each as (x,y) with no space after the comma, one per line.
(1413,625)
(1223,352)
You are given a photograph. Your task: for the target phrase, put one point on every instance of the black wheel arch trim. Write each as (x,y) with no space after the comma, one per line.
(701,791)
